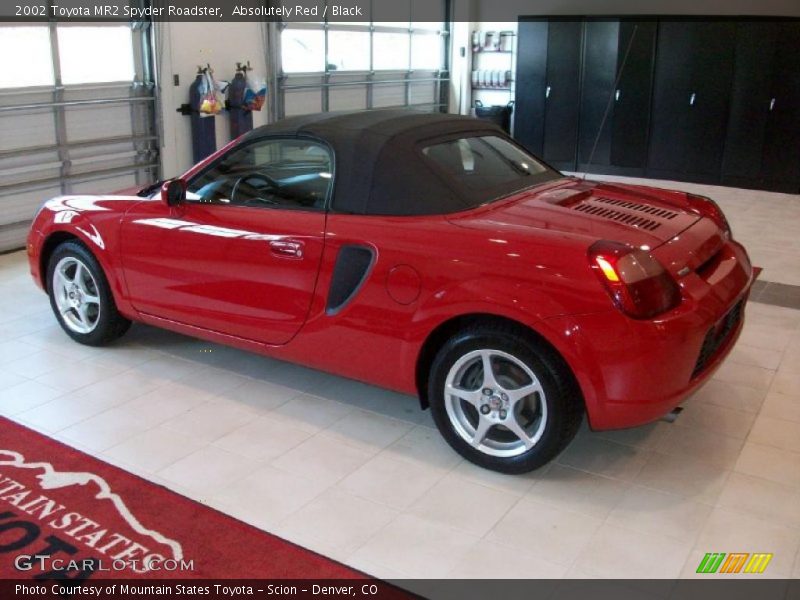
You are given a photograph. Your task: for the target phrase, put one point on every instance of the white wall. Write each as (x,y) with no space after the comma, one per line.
(184,46)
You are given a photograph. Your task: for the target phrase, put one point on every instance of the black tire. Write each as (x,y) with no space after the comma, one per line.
(563,399)
(110,325)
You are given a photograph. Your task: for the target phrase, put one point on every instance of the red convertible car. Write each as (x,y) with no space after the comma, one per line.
(425,253)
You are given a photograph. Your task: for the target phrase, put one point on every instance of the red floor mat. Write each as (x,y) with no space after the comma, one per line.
(92,516)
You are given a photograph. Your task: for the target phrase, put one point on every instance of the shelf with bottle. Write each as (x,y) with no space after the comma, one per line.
(493,42)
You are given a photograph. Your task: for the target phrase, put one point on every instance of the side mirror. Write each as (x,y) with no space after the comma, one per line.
(173,192)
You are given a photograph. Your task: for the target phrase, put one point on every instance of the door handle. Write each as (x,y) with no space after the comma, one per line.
(547,92)
(616,96)
(771,104)
(286,248)
(692,98)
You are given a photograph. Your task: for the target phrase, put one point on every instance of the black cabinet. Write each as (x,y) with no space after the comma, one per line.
(692,99)
(762,149)
(693,75)
(548,89)
(616,92)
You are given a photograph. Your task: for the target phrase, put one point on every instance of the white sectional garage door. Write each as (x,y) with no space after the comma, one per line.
(76,115)
(337,66)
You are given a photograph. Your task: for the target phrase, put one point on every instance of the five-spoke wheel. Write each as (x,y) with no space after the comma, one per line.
(76,296)
(502,398)
(81,297)
(495,402)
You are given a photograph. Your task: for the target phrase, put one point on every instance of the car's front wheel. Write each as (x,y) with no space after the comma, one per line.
(81,297)
(503,400)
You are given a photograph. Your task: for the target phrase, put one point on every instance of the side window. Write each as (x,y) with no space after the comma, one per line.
(277,173)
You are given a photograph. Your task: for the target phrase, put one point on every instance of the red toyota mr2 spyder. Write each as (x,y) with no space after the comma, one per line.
(425,253)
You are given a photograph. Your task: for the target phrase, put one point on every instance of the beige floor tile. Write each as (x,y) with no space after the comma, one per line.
(262,439)
(462,504)
(268,496)
(262,396)
(781,406)
(779,433)
(579,491)
(602,457)
(489,560)
(618,552)
(762,498)
(104,430)
(323,459)
(391,481)
(734,531)
(786,382)
(653,512)
(745,375)
(549,532)
(14,350)
(9,380)
(646,437)
(165,403)
(682,475)
(25,396)
(716,419)
(38,363)
(339,520)
(64,411)
(713,448)
(207,422)
(757,357)
(766,336)
(517,484)
(122,386)
(69,378)
(312,413)
(769,463)
(368,430)
(208,471)
(153,449)
(424,445)
(436,549)
(729,395)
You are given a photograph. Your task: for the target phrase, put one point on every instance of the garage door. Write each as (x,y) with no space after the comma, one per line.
(76,115)
(349,66)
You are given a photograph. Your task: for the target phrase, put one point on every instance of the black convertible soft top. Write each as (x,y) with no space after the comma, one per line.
(379,165)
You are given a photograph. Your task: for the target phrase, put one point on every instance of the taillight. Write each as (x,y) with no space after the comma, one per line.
(706,207)
(637,283)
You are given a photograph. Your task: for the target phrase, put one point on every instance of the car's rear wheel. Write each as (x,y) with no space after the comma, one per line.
(503,400)
(81,297)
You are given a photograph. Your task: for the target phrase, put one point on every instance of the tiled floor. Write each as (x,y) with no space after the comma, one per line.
(361,475)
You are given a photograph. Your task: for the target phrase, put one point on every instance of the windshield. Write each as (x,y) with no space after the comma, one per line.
(487,166)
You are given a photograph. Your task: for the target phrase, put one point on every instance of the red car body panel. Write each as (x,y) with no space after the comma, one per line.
(213,272)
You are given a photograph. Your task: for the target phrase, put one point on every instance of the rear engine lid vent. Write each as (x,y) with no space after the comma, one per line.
(625,212)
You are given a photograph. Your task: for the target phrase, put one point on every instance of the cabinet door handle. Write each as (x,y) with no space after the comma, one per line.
(547,92)
(616,96)
(771,104)
(692,98)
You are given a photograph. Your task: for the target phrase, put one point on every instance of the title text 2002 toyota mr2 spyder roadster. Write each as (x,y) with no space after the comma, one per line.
(425,253)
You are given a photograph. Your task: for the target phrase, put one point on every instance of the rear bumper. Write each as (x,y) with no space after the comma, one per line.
(633,372)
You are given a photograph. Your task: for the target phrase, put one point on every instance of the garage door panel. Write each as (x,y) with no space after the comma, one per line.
(303,102)
(22,206)
(92,122)
(26,130)
(348,98)
(389,95)
(91,137)
(105,185)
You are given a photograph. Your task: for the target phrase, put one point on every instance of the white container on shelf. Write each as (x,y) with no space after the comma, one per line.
(506,43)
